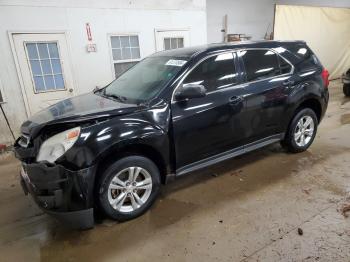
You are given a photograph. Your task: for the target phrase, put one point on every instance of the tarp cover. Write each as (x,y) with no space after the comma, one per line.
(326,30)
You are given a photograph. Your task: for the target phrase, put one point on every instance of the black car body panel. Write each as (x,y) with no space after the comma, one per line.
(77,109)
(179,136)
(346,77)
(62,193)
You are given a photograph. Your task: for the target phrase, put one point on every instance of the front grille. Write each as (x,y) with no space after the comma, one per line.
(24,141)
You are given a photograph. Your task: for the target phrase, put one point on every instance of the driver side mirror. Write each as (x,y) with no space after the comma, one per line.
(189,91)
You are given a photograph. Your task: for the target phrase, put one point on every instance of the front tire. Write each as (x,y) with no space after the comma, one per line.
(128,188)
(346,89)
(301,132)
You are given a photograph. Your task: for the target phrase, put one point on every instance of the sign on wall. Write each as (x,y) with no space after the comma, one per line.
(88,31)
(90,47)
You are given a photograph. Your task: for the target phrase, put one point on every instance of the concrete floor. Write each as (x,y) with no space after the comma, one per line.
(245,209)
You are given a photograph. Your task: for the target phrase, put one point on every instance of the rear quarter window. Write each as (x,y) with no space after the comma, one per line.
(303,58)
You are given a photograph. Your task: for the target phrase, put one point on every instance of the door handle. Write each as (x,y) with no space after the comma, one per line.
(288,82)
(235,100)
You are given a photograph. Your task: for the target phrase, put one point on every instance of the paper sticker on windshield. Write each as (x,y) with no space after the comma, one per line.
(173,62)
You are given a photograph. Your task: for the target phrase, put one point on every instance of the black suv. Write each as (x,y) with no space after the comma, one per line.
(346,83)
(172,113)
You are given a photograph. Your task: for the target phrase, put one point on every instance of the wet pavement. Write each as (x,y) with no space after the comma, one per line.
(267,205)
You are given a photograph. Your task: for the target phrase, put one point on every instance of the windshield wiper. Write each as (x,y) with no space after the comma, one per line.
(102,92)
(116,97)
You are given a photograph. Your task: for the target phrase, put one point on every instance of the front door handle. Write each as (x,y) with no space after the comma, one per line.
(288,82)
(235,100)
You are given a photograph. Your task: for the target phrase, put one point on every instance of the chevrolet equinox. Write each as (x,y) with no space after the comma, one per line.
(172,113)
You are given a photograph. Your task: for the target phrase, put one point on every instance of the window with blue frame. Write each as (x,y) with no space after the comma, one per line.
(45,65)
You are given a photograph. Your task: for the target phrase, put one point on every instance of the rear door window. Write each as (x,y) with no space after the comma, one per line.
(215,73)
(260,64)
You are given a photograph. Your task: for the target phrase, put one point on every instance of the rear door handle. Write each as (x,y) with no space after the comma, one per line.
(235,100)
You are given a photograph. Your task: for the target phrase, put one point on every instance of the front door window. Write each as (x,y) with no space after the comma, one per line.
(214,73)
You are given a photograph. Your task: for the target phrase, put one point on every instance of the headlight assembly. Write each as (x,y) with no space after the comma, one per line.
(57,145)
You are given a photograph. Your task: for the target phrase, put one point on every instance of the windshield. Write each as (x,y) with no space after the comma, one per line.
(144,80)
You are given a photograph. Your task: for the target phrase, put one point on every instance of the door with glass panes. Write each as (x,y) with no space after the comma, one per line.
(44,69)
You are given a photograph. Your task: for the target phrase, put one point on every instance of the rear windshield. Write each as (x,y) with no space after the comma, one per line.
(145,80)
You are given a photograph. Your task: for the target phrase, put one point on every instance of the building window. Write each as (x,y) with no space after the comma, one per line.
(125,52)
(173,42)
(45,65)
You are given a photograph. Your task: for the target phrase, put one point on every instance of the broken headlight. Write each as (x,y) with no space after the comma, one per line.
(55,146)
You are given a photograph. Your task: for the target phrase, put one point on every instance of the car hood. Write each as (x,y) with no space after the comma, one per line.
(76,109)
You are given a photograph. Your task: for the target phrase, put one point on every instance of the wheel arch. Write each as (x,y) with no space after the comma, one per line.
(312,103)
(117,152)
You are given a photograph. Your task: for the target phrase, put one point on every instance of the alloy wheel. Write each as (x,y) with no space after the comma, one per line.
(304,131)
(130,189)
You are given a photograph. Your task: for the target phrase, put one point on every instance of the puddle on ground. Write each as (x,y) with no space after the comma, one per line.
(345,119)
(168,211)
(345,100)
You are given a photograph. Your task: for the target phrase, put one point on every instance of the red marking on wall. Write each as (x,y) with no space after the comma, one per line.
(88,31)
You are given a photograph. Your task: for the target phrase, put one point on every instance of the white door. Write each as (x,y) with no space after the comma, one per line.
(172,39)
(44,68)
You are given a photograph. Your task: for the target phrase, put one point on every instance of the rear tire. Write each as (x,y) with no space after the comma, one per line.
(128,188)
(346,89)
(301,132)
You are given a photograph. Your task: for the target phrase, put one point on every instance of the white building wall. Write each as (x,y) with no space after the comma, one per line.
(105,17)
(251,17)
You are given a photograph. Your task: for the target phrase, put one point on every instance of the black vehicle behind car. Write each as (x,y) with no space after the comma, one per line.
(172,113)
(346,83)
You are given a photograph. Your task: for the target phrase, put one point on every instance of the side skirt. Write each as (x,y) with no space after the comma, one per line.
(229,154)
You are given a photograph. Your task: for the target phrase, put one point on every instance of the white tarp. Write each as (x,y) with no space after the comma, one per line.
(326,30)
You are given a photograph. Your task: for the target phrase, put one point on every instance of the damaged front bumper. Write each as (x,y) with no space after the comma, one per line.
(60,192)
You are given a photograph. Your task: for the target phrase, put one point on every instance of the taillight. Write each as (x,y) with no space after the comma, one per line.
(325,75)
